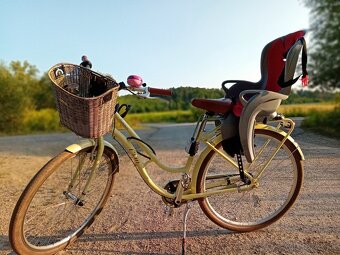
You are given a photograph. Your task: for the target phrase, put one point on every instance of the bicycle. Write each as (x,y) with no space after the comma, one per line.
(63,199)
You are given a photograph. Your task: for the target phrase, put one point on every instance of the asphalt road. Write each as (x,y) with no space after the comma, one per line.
(133,221)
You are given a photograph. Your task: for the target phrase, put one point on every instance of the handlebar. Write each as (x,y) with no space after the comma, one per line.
(161,92)
(144,91)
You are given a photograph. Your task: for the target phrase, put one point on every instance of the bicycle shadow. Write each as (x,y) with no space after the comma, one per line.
(134,236)
(138,236)
(5,245)
(126,236)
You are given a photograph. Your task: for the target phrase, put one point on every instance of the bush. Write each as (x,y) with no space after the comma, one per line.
(42,120)
(326,123)
(161,117)
(304,110)
(12,102)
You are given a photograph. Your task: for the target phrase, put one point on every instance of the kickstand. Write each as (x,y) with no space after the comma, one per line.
(185,217)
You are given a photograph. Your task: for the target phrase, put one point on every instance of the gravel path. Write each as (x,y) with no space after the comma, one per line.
(133,221)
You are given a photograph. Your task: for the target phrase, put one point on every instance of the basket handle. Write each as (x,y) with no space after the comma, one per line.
(59,71)
(107,97)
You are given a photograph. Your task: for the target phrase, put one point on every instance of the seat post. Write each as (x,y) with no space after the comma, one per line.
(192,146)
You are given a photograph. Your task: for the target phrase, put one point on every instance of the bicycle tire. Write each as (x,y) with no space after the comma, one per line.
(45,220)
(259,207)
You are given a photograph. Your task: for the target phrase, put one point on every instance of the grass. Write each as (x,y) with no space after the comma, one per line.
(321,117)
(160,117)
(326,123)
(293,110)
(303,110)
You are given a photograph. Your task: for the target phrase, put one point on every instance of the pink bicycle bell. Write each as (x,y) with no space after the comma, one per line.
(135,81)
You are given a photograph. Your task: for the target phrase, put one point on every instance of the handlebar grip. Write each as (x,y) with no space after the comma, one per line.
(161,92)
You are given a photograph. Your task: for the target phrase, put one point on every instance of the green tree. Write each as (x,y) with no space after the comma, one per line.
(23,71)
(43,96)
(325,51)
(182,96)
(21,92)
(180,100)
(24,75)
(12,101)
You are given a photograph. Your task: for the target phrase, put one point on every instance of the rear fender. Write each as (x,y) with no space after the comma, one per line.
(283,133)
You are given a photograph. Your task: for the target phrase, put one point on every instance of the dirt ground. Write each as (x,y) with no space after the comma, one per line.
(133,221)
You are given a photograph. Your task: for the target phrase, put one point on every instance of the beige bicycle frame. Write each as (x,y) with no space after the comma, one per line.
(211,139)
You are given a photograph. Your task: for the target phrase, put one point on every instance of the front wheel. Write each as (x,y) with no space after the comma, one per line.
(52,212)
(277,189)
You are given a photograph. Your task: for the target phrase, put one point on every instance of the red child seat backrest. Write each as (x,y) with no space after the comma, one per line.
(275,60)
(278,63)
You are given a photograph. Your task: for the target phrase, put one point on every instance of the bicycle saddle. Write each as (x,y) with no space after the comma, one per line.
(219,106)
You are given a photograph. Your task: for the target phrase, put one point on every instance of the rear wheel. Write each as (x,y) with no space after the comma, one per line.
(49,215)
(278,186)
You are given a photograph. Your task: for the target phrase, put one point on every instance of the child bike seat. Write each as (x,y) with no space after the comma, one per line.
(251,99)
(263,103)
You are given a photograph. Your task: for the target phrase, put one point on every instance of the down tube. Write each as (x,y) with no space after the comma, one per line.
(140,168)
(150,153)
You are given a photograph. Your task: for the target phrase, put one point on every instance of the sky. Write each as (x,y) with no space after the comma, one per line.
(197,43)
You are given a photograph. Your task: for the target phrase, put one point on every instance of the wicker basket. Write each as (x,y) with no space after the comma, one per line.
(86,114)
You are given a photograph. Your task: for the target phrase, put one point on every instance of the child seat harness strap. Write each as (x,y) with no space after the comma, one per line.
(281,81)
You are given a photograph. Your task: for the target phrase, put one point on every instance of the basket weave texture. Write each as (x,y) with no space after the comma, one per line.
(87,115)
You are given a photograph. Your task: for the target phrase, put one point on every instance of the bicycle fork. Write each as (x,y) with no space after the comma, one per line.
(76,174)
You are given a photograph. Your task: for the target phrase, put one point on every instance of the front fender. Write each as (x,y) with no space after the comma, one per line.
(85,143)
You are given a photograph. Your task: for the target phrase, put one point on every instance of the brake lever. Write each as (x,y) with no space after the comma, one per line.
(144,93)
(122,85)
(127,109)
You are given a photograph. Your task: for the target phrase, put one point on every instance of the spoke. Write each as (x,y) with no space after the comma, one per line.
(278,165)
(249,209)
(52,217)
(32,218)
